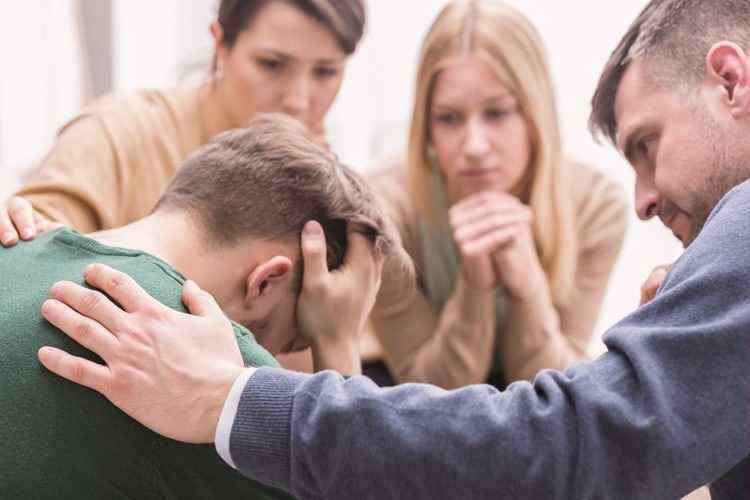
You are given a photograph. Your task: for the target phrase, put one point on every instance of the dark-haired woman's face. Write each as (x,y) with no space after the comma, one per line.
(284,62)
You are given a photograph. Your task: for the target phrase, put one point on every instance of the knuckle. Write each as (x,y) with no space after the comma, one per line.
(92,300)
(83,331)
(156,312)
(77,370)
(117,280)
(19,206)
(315,287)
(469,251)
(137,336)
(15,201)
(315,248)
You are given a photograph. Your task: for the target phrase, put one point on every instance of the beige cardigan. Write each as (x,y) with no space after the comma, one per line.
(111,164)
(453,347)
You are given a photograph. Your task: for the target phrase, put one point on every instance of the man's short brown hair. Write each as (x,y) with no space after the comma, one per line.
(672,38)
(267,180)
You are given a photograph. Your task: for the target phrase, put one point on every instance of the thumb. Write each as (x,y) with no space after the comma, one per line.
(199,302)
(314,252)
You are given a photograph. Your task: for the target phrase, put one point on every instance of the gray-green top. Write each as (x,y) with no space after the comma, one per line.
(60,440)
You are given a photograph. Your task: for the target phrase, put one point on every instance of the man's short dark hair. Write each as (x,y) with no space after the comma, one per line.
(672,38)
(266,181)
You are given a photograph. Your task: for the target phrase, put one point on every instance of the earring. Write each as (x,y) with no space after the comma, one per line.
(219,72)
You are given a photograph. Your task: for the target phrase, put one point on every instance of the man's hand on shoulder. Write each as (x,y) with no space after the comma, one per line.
(169,370)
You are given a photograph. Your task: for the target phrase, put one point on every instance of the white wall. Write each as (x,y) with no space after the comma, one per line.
(40,81)
(154,40)
(40,86)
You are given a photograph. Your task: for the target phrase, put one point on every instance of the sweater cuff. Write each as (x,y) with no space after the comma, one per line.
(228,412)
(259,442)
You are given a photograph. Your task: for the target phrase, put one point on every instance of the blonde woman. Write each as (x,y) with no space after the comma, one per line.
(513,243)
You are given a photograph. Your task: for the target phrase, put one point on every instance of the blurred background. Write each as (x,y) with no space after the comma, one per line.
(58,55)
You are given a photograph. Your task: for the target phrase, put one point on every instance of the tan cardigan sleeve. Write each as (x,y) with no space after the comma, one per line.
(454,347)
(111,164)
(538,335)
(77,182)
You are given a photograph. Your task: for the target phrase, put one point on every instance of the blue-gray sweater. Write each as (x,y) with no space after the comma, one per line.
(663,412)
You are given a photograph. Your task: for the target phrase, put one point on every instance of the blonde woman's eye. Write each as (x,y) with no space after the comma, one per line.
(496,113)
(447,118)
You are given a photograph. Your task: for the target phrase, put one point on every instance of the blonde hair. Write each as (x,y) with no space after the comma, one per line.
(507,42)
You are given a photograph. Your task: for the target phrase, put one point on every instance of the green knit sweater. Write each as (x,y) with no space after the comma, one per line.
(61,440)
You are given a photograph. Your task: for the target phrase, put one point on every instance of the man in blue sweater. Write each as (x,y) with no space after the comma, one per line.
(664,411)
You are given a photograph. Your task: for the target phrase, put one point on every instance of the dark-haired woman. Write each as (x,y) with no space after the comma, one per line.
(111,163)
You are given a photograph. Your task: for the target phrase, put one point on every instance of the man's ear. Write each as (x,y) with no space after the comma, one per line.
(268,282)
(728,68)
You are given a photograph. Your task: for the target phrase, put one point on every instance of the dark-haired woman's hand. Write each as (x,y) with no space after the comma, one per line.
(19,219)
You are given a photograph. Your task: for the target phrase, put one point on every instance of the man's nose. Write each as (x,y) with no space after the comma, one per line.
(647,199)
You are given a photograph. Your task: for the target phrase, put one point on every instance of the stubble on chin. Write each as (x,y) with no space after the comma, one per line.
(717,182)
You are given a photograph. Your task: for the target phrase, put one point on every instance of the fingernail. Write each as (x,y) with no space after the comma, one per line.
(191,285)
(88,270)
(56,287)
(28,232)
(44,353)
(7,237)
(313,229)
(48,306)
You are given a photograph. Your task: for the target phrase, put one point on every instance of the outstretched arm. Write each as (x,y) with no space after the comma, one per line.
(663,412)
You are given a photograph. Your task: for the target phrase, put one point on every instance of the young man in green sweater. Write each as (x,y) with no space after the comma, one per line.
(230,221)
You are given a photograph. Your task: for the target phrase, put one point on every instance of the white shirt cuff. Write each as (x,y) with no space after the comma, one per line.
(226,419)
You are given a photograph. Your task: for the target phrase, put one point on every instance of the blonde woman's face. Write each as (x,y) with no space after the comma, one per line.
(477,130)
(285,62)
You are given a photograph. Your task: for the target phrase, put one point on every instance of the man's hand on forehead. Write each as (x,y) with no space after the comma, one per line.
(334,305)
